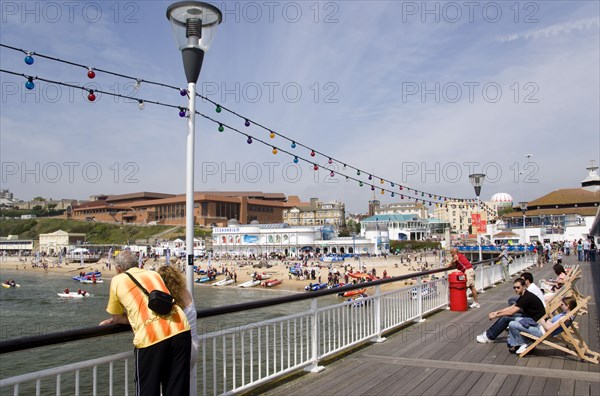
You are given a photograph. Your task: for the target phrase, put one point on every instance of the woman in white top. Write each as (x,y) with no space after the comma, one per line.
(175,282)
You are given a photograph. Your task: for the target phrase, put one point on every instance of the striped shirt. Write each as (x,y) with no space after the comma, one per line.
(127,298)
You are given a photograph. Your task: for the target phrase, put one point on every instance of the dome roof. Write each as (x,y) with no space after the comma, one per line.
(501,198)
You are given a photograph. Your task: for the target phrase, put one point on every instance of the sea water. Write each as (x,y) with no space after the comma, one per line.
(36,309)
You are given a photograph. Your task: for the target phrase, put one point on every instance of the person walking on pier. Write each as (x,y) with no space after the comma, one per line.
(503,257)
(162,342)
(461,263)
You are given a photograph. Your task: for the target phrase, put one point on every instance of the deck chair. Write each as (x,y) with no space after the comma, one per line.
(569,340)
(569,288)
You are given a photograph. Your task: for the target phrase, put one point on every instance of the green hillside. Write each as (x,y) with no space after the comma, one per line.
(95,232)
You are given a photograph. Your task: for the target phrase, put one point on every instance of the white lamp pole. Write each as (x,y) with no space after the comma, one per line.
(194,24)
(476,180)
(523,209)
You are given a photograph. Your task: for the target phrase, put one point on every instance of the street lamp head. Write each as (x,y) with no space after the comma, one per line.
(476,180)
(194,24)
(523,206)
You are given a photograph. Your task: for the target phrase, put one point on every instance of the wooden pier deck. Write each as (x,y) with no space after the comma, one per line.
(440,356)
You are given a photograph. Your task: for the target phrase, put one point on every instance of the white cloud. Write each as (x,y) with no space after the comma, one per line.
(558,29)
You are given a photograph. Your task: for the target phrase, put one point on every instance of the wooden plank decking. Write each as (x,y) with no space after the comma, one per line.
(441,357)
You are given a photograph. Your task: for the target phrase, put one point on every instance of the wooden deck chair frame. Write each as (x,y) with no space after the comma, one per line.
(572,341)
(569,289)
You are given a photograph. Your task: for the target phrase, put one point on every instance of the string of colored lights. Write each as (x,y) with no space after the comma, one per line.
(92,93)
(247,122)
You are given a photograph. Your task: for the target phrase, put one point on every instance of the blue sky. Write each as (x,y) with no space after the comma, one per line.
(421,94)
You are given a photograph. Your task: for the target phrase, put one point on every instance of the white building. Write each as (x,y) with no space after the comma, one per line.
(12,244)
(282,239)
(398,227)
(562,215)
(177,248)
(402,208)
(55,241)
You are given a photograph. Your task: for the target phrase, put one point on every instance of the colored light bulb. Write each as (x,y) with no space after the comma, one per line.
(272,135)
(381,181)
(332,174)
(372,188)
(392,194)
(29,84)
(316,167)
(295,160)
(183,92)
(312,153)
(275,150)
(91,96)
(221,128)
(249,140)
(392,184)
(293,144)
(91,73)
(247,123)
(141,105)
(330,161)
(370,177)
(181,112)
(357,172)
(29,59)
(218,109)
(360,184)
(382,192)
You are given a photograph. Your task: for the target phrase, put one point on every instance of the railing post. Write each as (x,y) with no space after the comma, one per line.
(420,299)
(314,342)
(378,316)
(481,280)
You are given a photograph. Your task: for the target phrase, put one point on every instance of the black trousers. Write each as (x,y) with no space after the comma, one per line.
(165,364)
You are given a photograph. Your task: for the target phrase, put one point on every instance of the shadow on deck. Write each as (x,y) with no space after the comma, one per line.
(441,357)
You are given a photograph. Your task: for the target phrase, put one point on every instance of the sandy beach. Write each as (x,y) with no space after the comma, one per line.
(393,265)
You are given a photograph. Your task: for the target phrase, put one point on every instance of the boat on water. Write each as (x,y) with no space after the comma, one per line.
(315,286)
(359,301)
(91,281)
(250,283)
(223,282)
(352,293)
(272,282)
(204,279)
(88,275)
(73,295)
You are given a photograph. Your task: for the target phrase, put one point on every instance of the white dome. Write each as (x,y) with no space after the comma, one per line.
(502,198)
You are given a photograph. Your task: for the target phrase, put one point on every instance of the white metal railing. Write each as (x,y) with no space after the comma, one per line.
(32,382)
(243,357)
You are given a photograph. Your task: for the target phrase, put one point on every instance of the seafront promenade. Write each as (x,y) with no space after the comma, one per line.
(441,357)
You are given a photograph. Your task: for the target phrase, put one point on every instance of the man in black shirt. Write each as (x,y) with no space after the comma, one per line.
(528,302)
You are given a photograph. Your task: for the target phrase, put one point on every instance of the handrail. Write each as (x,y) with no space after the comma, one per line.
(24,343)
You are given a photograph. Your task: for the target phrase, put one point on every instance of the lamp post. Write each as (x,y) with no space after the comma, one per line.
(194,24)
(476,180)
(523,209)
